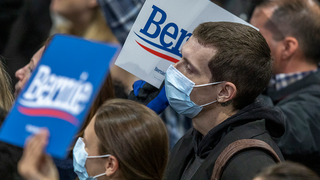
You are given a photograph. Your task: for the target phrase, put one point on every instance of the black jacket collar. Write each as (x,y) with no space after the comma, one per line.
(274,121)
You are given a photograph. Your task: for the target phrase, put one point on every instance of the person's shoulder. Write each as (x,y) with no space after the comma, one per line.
(309,85)
(185,140)
(184,146)
(307,96)
(246,164)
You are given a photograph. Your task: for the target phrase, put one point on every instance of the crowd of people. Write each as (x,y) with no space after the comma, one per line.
(246,100)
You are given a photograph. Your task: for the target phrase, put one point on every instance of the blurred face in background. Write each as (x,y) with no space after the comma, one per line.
(24,73)
(72,9)
(259,19)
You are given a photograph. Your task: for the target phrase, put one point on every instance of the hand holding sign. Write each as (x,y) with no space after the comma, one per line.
(150,96)
(59,93)
(34,164)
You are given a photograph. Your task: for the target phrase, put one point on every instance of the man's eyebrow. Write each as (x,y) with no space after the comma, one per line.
(192,65)
(189,62)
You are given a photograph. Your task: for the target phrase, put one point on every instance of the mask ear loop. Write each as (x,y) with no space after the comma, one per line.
(107,155)
(201,85)
(99,175)
(208,103)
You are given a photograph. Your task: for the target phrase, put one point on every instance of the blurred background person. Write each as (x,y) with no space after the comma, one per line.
(240,8)
(287,171)
(125,140)
(83,18)
(292,31)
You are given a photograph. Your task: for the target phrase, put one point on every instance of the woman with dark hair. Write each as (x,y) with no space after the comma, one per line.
(125,140)
(287,171)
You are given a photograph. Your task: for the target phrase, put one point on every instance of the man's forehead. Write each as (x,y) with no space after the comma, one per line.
(194,45)
(265,11)
(196,53)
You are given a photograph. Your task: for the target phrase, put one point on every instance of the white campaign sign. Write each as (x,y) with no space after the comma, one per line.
(161,28)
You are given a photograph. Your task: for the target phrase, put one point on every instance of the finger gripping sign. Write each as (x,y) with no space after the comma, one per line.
(161,28)
(60,92)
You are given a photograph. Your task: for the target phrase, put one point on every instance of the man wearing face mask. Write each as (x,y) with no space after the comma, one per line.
(224,67)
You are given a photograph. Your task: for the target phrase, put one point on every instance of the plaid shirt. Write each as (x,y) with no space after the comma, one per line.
(120,15)
(280,81)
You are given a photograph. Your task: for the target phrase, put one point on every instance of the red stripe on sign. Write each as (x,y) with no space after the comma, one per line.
(163,56)
(48,113)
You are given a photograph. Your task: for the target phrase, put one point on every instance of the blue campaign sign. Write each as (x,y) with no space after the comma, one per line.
(60,92)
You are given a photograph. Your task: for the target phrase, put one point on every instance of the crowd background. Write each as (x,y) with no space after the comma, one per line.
(26,24)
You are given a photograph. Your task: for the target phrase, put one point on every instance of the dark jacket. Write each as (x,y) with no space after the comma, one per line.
(300,104)
(256,121)
(9,11)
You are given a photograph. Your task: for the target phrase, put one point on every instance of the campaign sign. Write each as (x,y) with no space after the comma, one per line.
(161,28)
(60,92)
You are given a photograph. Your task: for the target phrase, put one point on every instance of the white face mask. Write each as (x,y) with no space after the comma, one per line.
(178,89)
(79,161)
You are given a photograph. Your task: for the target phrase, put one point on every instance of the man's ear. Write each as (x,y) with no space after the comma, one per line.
(112,166)
(290,46)
(227,92)
(92,3)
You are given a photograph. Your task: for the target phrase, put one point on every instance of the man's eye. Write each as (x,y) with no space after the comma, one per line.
(189,66)
(31,70)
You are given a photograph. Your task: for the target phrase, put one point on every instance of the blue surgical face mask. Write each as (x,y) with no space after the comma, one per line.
(178,89)
(79,161)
